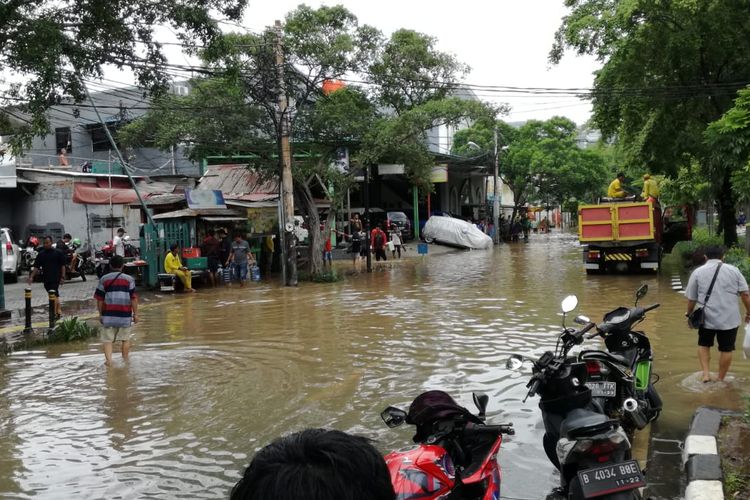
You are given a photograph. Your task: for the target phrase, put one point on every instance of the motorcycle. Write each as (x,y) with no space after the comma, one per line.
(107,251)
(456,456)
(29,251)
(591,450)
(620,378)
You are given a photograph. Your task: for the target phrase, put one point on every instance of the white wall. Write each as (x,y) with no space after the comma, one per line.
(53,202)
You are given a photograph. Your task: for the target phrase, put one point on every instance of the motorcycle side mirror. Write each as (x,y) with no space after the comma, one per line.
(582,320)
(641,292)
(515,362)
(481,401)
(569,303)
(393,417)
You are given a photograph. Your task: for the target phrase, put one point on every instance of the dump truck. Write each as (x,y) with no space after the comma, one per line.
(630,236)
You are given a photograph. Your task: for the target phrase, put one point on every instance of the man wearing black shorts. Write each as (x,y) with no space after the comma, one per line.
(51,262)
(722,316)
(211,252)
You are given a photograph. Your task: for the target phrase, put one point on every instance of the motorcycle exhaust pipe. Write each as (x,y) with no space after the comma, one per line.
(634,411)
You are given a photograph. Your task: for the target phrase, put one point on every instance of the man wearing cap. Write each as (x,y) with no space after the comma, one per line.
(650,189)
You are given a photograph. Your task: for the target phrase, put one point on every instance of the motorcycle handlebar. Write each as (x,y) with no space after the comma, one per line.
(490,429)
(650,308)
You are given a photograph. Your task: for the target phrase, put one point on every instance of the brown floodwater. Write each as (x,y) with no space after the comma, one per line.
(216,375)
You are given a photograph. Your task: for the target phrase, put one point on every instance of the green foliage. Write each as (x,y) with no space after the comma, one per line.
(409,71)
(693,250)
(729,138)
(542,163)
(71,330)
(690,187)
(48,48)
(322,277)
(666,75)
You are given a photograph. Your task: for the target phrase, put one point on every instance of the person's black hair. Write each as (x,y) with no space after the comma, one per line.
(119,229)
(48,237)
(715,252)
(116,262)
(67,235)
(621,174)
(316,464)
(237,234)
(173,247)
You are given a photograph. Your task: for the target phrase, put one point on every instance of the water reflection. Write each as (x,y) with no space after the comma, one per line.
(214,376)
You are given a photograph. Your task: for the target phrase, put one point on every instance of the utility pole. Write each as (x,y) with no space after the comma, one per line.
(496,194)
(289,250)
(366,196)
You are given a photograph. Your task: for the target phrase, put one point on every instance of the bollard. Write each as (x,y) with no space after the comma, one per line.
(52,294)
(27,297)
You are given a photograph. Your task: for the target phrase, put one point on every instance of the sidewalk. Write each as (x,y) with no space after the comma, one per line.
(74,290)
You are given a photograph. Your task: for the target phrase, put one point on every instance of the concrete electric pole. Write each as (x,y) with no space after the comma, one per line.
(286,195)
(496,194)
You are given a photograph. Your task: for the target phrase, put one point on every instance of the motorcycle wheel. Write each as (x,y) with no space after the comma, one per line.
(88,268)
(655,403)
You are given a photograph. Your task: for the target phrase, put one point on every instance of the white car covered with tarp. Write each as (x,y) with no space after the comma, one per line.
(455,232)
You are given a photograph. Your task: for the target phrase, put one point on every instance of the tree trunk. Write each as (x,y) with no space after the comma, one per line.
(310,213)
(727,209)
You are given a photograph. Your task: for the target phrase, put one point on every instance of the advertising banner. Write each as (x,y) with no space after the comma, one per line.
(204,198)
(439,173)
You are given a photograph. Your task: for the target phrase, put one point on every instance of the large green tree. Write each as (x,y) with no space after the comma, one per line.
(542,163)
(48,48)
(670,68)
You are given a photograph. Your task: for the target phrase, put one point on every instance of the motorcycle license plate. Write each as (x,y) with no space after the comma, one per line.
(602,389)
(611,479)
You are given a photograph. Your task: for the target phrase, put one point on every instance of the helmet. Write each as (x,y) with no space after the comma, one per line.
(431,406)
(76,242)
(34,241)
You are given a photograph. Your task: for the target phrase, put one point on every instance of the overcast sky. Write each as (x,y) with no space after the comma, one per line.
(505,42)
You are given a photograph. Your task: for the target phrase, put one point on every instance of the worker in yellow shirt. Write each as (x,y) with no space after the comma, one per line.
(615,189)
(650,189)
(173,265)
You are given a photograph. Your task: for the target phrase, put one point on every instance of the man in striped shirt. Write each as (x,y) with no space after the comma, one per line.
(118,308)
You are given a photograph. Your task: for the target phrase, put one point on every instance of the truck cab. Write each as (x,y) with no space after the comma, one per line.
(625,235)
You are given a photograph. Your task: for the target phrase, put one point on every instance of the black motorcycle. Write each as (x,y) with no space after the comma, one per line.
(620,378)
(591,450)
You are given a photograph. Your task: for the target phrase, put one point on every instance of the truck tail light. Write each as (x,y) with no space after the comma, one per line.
(594,254)
(641,252)
(8,249)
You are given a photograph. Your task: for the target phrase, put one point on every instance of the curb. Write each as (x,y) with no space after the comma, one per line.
(700,455)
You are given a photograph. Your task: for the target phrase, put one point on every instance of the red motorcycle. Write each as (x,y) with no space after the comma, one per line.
(456,456)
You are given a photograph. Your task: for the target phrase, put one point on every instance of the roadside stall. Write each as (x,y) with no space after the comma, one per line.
(188,227)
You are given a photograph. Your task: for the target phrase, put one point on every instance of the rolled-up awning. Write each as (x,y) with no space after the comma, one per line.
(101,194)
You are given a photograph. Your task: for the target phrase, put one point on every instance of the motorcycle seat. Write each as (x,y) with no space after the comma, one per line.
(580,422)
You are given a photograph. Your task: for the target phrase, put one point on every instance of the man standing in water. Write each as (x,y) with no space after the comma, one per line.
(118,308)
(722,316)
(240,258)
(51,262)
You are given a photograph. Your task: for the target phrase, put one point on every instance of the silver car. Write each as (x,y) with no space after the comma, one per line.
(11,255)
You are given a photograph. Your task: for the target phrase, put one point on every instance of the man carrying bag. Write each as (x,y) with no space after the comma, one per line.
(716,285)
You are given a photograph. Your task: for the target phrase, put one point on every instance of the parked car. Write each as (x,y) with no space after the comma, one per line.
(402,222)
(11,255)
(455,232)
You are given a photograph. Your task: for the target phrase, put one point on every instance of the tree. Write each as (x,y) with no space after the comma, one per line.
(49,49)
(543,162)
(668,72)
(327,43)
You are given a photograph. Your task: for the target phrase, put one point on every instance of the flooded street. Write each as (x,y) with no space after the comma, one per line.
(215,376)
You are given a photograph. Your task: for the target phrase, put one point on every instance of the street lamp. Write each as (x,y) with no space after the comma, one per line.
(496,190)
